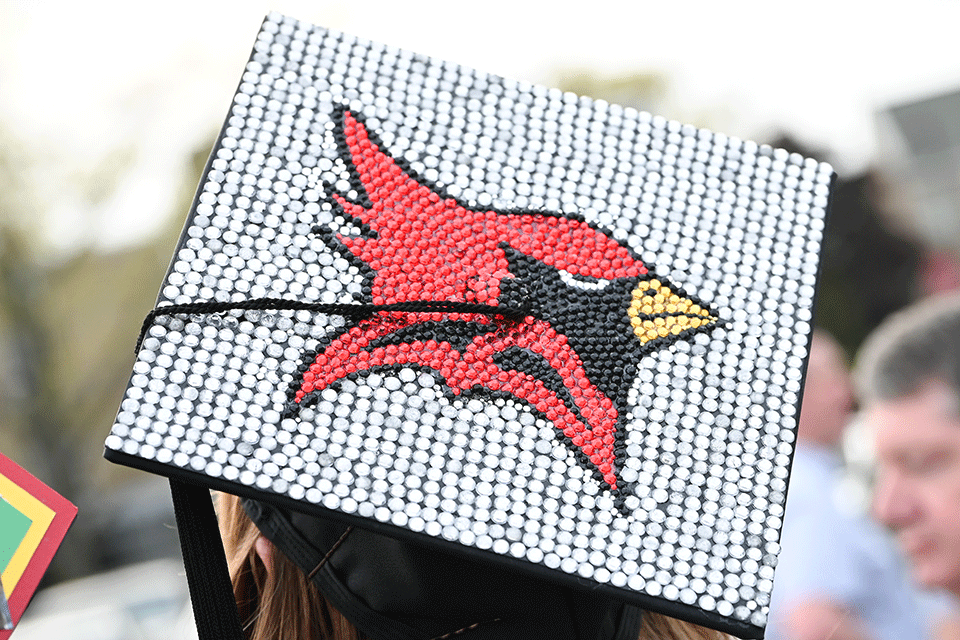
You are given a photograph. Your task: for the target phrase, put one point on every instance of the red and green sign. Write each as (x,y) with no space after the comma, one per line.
(33,521)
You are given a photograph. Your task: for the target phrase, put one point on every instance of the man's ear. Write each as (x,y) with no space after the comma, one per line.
(265,551)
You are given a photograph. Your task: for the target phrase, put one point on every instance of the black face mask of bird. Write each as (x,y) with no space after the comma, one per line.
(396,590)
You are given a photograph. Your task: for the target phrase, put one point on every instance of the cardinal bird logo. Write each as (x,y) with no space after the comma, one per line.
(592,309)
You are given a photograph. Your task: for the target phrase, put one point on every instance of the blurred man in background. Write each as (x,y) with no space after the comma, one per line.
(838,575)
(909,378)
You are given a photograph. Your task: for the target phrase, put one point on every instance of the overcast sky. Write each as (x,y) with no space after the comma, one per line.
(87,86)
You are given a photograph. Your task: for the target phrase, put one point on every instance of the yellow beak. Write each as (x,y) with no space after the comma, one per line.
(657,312)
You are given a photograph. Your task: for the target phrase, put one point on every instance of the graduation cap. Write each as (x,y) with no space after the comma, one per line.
(491,318)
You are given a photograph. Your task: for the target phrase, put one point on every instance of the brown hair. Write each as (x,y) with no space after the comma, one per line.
(278,604)
(283,604)
(658,627)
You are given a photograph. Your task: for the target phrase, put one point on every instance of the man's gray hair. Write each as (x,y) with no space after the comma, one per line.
(914,345)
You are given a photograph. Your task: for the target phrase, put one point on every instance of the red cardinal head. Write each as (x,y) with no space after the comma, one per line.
(593,308)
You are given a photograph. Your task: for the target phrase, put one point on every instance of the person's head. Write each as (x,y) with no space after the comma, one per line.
(909,381)
(827,393)
(277,599)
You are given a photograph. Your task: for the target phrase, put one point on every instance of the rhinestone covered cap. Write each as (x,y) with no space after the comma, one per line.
(529,323)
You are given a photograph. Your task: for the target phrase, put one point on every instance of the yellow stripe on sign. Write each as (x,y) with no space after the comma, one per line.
(40,514)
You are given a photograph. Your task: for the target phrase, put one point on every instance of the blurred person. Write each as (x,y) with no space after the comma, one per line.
(939,272)
(908,375)
(838,575)
(401,589)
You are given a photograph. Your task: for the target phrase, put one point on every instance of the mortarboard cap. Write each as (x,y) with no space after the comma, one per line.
(494,318)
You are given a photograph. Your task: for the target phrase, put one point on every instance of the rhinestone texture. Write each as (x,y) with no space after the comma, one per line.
(633,427)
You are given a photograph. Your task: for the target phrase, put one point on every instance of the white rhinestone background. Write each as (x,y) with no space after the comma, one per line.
(710,434)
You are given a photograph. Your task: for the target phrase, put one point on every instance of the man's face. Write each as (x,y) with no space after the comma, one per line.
(918,484)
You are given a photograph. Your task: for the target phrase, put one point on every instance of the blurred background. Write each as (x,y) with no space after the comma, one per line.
(109,109)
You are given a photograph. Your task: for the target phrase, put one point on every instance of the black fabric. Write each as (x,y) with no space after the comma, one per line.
(208,579)
(398,590)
